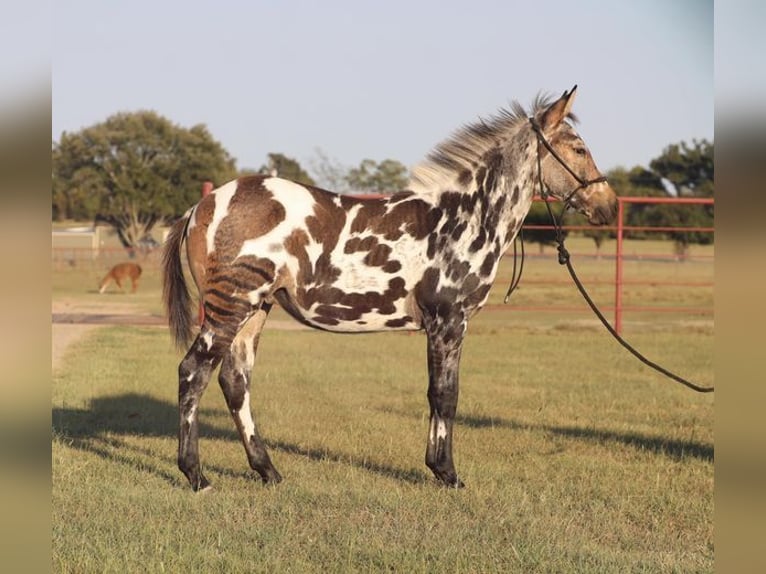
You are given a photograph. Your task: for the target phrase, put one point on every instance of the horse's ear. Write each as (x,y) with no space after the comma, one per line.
(558,110)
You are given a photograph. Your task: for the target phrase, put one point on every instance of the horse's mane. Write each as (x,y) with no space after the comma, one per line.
(465,149)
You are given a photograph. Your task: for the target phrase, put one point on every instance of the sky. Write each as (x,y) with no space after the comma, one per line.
(379,80)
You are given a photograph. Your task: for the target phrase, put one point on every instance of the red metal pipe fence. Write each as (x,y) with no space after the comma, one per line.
(620,229)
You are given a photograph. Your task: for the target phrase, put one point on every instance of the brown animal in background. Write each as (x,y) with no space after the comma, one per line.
(120,272)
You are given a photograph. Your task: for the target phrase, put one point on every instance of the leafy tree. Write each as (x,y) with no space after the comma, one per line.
(387,176)
(639,182)
(686,171)
(133,171)
(283,166)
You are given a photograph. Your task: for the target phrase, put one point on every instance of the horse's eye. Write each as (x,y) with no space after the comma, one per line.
(580,151)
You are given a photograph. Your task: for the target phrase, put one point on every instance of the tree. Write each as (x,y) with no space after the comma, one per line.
(133,171)
(329,173)
(686,171)
(280,165)
(387,176)
(639,182)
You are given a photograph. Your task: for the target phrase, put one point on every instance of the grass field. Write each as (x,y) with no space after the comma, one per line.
(576,457)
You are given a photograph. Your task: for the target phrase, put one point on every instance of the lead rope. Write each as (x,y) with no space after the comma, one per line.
(515,279)
(565,259)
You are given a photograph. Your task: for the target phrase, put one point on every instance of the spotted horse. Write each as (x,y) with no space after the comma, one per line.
(423,258)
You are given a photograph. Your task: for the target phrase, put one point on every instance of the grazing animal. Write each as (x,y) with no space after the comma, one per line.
(119,273)
(424,258)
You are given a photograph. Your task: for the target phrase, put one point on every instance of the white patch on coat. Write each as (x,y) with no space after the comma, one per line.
(256,296)
(248,426)
(441,430)
(438,430)
(191,215)
(191,415)
(249,357)
(207,338)
(222,197)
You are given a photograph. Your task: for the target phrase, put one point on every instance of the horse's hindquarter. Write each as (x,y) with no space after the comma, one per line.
(333,262)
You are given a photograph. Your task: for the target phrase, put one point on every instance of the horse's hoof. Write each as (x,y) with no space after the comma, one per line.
(451,482)
(457,483)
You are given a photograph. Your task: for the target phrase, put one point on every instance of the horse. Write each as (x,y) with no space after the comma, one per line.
(120,273)
(423,258)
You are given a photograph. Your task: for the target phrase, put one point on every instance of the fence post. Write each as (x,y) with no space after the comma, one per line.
(618,269)
(207,187)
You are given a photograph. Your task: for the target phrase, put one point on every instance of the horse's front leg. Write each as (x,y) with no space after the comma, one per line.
(445,341)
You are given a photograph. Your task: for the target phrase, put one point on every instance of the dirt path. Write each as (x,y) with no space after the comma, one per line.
(71,320)
(62,336)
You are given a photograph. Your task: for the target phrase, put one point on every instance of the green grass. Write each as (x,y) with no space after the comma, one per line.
(576,457)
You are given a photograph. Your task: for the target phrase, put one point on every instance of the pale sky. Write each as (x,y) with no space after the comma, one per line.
(362,79)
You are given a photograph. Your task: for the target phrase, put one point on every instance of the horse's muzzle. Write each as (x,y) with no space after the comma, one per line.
(603,214)
(604,209)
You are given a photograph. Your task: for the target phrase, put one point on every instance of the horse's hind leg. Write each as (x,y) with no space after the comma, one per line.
(235,378)
(193,376)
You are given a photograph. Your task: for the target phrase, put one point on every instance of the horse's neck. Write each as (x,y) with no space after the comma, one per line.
(501,194)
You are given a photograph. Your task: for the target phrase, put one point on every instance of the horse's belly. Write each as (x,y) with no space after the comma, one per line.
(366,323)
(354,313)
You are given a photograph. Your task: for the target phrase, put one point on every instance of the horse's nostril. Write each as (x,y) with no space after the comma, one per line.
(603,214)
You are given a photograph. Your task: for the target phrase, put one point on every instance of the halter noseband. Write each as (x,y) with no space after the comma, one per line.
(584,183)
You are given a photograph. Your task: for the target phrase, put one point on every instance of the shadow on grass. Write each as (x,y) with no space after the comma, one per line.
(102,428)
(673,448)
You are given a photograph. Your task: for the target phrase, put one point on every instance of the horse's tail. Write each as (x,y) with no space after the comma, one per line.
(175,293)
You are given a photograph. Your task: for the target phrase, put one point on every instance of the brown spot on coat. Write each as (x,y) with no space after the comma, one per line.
(487,265)
(378,256)
(252,212)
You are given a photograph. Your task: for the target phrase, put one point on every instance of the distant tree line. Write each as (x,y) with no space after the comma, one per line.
(137,170)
